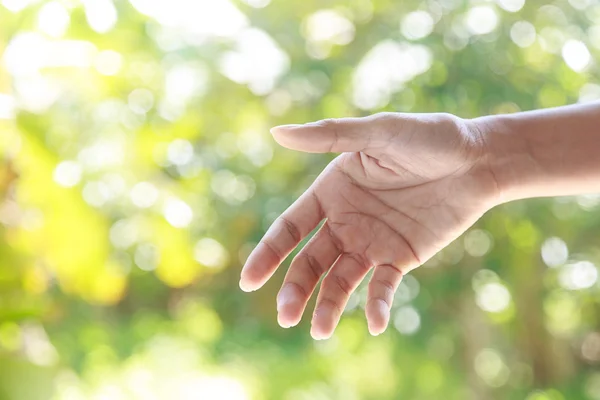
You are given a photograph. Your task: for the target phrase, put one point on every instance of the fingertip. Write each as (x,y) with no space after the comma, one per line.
(301,138)
(283,323)
(283,135)
(323,323)
(378,316)
(276,129)
(246,287)
(286,319)
(318,334)
(286,322)
(376,330)
(289,306)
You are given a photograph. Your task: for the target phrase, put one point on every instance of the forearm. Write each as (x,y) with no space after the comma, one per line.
(552,152)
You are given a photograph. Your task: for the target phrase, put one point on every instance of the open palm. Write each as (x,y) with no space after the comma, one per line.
(404,188)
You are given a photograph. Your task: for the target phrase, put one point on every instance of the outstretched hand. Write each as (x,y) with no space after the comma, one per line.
(405,187)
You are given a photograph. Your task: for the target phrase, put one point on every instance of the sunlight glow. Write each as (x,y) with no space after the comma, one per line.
(417,25)
(184,82)
(201,18)
(53,19)
(577,276)
(67,173)
(555,252)
(576,55)
(481,20)
(7,106)
(178,213)
(257,3)
(588,202)
(407,320)
(17,5)
(493,297)
(582,4)
(491,368)
(103,154)
(210,388)
(37,346)
(590,347)
(101,14)
(144,195)
(551,39)
(140,101)
(231,188)
(511,5)
(180,152)
(478,242)
(407,291)
(594,35)
(257,60)
(563,313)
(385,69)
(329,26)
(108,62)
(256,147)
(523,34)
(27,53)
(146,256)
(124,233)
(96,193)
(211,253)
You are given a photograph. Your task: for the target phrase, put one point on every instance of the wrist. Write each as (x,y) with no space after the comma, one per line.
(502,154)
(542,153)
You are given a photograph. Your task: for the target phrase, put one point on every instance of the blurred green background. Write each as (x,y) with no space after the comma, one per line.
(137,172)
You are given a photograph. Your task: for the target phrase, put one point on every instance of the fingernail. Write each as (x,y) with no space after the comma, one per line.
(373,332)
(315,336)
(289,126)
(283,324)
(382,312)
(286,295)
(322,316)
(245,287)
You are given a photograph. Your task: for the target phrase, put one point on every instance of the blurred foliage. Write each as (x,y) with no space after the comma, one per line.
(136,172)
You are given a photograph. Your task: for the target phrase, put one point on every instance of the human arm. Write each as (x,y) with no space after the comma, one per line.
(552,152)
(406,186)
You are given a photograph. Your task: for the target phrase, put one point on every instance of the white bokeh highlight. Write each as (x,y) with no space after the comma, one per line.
(576,55)
(417,25)
(384,71)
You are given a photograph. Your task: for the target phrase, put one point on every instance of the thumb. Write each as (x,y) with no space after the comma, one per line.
(335,135)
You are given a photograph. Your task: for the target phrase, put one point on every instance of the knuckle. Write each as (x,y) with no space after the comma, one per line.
(329,122)
(340,284)
(386,284)
(389,123)
(361,260)
(314,266)
(273,248)
(385,116)
(299,288)
(337,242)
(448,120)
(386,301)
(291,228)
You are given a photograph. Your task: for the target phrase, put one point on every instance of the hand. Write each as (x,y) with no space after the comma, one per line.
(405,186)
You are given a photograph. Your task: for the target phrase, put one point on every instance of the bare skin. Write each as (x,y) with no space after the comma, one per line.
(404,187)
